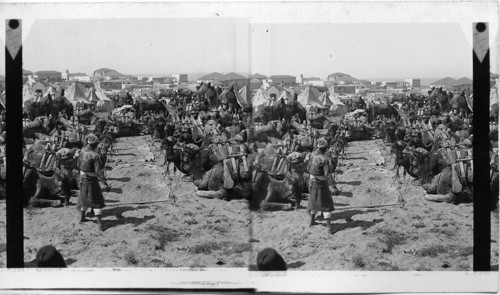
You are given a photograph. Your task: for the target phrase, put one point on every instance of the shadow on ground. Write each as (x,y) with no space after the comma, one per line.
(136,221)
(123,179)
(115,190)
(356,182)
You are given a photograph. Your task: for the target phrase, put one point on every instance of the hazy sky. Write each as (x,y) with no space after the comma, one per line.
(148,46)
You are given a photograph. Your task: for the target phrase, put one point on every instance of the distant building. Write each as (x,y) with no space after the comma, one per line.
(397,90)
(341,78)
(300,80)
(109,85)
(129,86)
(81,78)
(314,82)
(412,83)
(274,91)
(392,84)
(344,89)
(283,80)
(48,76)
(180,78)
(258,77)
(107,74)
(170,80)
(67,76)
(376,83)
(362,89)
(233,79)
(156,79)
(40,87)
(161,86)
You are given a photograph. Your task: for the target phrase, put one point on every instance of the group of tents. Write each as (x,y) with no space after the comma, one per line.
(76,94)
(310,98)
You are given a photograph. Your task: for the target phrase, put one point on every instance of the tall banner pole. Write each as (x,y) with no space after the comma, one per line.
(481,151)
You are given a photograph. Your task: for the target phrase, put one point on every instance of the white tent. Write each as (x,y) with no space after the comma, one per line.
(105,105)
(325,100)
(244,93)
(52,91)
(76,93)
(28,94)
(285,95)
(309,97)
(338,108)
(260,99)
(242,99)
(102,102)
(92,96)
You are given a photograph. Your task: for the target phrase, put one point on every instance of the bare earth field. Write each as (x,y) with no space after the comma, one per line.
(184,231)
(421,235)
(187,231)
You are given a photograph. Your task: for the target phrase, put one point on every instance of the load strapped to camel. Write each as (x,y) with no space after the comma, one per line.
(43,158)
(194,123)
(285,146)
(189,107)
(29,124)
(234,158)
(428,133)
(273,164)
(461,166)
(122,119)
(313,135)
(258,126)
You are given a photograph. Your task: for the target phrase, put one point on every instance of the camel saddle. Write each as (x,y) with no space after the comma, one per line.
(462,167)
(236,166)
(275,166)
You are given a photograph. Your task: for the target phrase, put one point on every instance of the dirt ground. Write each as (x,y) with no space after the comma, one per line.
(182,231)
(188,231)
(420,236)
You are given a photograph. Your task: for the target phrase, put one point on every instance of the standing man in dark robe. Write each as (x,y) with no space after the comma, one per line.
(320,184)
(91,171)
(361,103)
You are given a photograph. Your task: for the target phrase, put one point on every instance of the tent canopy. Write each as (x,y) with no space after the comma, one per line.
(244,93)
(76,93)
(325,100)
(28,94)
(309,97)
(260,99)
(105,105)
(337,108)
(242,99)
(52,91)
(286,96)
(94,96)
